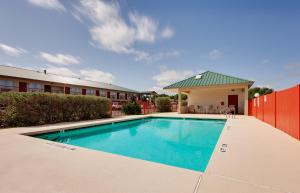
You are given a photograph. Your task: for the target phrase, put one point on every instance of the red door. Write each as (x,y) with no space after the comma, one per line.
(234,100)
(108,94)
(97,93)
(47,88)
(22,87)
(83,91)
(67,90)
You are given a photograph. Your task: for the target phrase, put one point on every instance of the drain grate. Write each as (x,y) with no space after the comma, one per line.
(223,147)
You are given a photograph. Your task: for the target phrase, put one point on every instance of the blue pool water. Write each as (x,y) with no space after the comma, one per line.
(185,143)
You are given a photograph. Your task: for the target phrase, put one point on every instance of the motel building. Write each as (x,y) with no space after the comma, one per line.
(210,92)
(24,80)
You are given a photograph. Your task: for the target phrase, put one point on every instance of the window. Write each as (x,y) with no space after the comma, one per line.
(34,87)
(57,89)
(90,92)
(129,96)
(6,83)
(103,93)
(75,90)
(122,96)
(113,95)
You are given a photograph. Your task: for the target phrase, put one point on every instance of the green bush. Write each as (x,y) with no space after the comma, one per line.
(163,104)
(27,109)
(131,108)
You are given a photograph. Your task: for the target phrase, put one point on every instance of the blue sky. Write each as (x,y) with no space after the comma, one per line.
(144,45)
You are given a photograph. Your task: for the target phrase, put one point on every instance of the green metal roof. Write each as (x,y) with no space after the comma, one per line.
(209,78)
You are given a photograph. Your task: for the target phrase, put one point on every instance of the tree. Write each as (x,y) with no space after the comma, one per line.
(175,97)
(163,95)
(261,91)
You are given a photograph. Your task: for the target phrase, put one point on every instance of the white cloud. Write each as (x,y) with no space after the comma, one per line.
(160,90)
(292,65)
(87,74)
(48,4)
(17,66)
(265,61)
(215,54)
(168,76)
(111,32)
(167,32)
(157,56)
(12,51)
(61,59)
(97,75)
(61,71)
(161,55)
(145,27)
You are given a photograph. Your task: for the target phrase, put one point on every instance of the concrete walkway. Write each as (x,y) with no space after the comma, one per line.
(258,158)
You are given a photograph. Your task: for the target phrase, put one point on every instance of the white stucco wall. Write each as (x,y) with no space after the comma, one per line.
(214,96)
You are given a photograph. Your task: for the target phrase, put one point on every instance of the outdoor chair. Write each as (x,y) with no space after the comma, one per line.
(191,109)
(232,108)
(217,110)
(200,109)
(228,111)
(211,109)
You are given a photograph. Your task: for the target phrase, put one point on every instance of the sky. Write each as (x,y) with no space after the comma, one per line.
(146,45)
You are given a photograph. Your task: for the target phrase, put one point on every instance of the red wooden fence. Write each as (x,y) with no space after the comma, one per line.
(280,109)
(270,109)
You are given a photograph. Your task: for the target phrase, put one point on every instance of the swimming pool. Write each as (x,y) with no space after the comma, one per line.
(181,142)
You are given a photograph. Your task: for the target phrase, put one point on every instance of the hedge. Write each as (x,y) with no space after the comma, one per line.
(163,104)
(131,108)
(28,109)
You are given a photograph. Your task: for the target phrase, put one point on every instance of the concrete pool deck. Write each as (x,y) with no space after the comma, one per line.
(258,158)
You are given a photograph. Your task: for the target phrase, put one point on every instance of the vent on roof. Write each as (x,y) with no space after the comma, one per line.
(199,76)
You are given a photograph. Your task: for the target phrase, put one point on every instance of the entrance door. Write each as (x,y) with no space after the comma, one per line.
(67,90)
(97,93)
(83,91)
(234,100)
(47,88)
(22,87)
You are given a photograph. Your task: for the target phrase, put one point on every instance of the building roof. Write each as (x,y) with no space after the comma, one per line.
(48,77)
(209,78)
(148,92)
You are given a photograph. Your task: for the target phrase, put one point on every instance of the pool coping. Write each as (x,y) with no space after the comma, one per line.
(62,129)
(251,162)
(76,125)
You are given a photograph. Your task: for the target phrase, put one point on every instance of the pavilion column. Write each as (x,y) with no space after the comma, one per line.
(179,101)
(246,101)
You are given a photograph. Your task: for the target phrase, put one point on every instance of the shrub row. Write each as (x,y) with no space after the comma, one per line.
(28,109)
(131,108)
